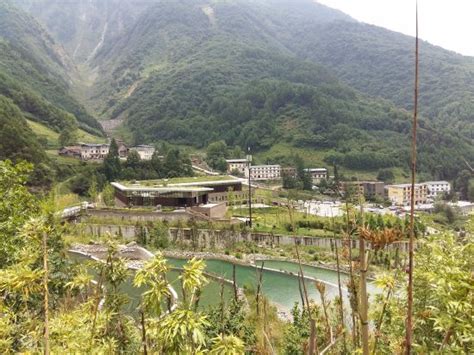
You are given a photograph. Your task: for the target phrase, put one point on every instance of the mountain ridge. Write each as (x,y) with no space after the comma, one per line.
(185,72)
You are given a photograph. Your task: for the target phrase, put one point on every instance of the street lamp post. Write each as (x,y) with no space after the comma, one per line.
(249,161)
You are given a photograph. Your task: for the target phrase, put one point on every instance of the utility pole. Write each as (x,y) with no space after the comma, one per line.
(249,161)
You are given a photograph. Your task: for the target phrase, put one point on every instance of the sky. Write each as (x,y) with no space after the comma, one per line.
(446,23)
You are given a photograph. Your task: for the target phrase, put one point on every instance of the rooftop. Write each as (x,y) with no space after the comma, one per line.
(93,144)
(180,181)
(236,160)
(405,185)
(266,166)
(436,182)
(161,189)
(143,146)
(316,169)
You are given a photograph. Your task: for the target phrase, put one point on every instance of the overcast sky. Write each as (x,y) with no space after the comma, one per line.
(446,23)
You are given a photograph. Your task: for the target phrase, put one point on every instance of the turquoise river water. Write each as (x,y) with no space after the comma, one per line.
(280,288)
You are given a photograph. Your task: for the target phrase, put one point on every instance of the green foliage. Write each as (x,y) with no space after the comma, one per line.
(112,166)
(17,204)
(442,305)
(17,142)
(463,184)
(230,319)
(108,195)
(386,175)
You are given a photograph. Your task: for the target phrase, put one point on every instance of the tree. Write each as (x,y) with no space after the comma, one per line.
(157,163)
(133,160)
(462,184)
(216,154)
(112,167)
(386,175)
(68,134)
(92,191)
(108,195)
(177,164)
(302,174)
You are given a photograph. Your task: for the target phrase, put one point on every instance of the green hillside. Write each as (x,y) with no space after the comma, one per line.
(37,74)
(194,73)
(267,73)
(50,137)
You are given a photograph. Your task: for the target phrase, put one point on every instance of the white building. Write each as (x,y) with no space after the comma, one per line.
(239,165)
(318,173)
(437,188)
(144,151)
(94,151)
(264,172)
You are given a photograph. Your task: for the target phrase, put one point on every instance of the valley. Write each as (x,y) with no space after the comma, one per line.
(231,177)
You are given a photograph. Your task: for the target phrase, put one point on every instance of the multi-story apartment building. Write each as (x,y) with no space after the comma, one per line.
(369,189)
(437,188)
(318,173)
(94,151)
(144,151)
(264,172)
(237,165)
(401,194)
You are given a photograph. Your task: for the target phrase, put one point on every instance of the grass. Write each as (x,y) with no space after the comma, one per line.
(182,180)
(63,160)
(52,137)
(277,220)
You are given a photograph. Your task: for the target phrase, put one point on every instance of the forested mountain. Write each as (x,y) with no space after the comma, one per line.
(83,26)
(258,72)
(37,74)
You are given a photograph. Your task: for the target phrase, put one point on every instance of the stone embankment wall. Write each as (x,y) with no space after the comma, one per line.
(143,216)
(222,239)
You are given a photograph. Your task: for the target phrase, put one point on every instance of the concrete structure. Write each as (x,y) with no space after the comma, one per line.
(400,195)
(179,192)
(318,173)
(237,165)
(144,151)
(369,189)
(91,151)
(212,210)
(264,172)
(70,151)
(437,189)
(122,149)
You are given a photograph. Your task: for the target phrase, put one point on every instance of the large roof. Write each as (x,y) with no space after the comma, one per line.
(193,181)
(161,189)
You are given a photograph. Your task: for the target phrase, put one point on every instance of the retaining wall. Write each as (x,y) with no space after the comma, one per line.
(222,239)
(142,216)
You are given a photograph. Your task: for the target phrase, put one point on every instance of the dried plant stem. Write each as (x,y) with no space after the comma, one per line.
(409,319)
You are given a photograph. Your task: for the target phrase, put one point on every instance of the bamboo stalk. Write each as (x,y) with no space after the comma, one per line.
(96,307)
(363,302)
(234,283)
(409,319)
(313,344)
(341,308)
(145,352)
(301,291)
(46,294)
(259,285)
(379,324)
(351,273)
